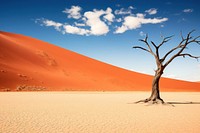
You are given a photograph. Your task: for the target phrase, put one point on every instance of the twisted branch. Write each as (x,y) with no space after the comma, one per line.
(182,45)
(191,56)
(179,48)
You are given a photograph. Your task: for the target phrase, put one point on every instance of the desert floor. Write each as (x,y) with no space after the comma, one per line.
(97,112)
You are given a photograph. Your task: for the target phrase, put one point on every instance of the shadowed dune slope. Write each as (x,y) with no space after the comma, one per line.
(30,64)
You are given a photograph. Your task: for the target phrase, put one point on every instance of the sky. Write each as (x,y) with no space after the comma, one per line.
(107,30)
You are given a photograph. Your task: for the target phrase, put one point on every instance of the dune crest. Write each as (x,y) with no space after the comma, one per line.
(28,64)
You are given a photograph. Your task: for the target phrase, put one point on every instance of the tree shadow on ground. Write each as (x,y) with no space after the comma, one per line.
(169,103)
(176,103)
(183,102)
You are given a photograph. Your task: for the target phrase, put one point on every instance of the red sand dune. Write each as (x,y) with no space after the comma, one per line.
(27,64)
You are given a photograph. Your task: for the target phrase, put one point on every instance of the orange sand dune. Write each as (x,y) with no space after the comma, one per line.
(30,64)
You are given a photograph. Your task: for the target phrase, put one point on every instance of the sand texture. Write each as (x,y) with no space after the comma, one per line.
(28,64)
(96,112)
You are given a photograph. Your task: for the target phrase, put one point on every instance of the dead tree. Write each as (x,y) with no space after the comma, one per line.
(163,62)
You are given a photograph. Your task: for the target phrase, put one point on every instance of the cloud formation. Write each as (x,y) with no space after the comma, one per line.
(97,26)
(188,10)
(98,22)
(73,12)
(49,23)
(109,16)
(92,19)
(134,22)
(124,11)
(75,30)
(151,11)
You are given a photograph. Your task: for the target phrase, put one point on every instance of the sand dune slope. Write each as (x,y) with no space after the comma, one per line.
(30,64)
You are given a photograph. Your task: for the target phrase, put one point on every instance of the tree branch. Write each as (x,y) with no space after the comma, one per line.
(157,51)
(179,46)
(145,41)
(191,56)
(166,39)
(182,46)
(154,44)
(195,40)
(190,32)
(141,48)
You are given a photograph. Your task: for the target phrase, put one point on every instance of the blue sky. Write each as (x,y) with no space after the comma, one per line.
(106,30)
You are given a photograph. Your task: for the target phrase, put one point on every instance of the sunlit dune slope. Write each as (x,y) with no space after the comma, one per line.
(30,64)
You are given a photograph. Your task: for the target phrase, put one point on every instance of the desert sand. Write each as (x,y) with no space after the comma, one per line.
(28,64)
(97,112)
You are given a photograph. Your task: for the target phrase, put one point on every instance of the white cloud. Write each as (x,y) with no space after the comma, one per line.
(188,10)
(79,24)
(134,22)
(73,12)
(151,11)
(109,16)
(124,11)
(153,21)
(121,29)
(48,23)
(97,26)
(97,22)
(75,30)
(63,28)
(90,18)
(140,15)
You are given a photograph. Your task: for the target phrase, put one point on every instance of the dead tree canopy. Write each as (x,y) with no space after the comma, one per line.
(163,62)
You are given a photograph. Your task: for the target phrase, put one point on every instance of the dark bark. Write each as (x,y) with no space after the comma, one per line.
(155,92)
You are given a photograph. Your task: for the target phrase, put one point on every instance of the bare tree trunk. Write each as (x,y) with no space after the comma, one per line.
(155,93)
